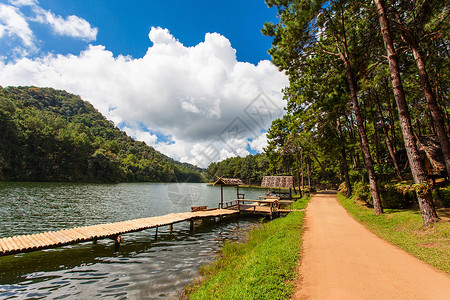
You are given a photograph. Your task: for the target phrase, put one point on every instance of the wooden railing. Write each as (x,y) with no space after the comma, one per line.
(273,203)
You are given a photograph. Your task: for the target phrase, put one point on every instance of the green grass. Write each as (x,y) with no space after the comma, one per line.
(263,267)
(404,228)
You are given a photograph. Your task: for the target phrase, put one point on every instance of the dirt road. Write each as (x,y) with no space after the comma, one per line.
(341,259)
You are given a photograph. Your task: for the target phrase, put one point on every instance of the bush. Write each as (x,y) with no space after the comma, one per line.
(392,196)
(362,191)
(343,189)
(443,195)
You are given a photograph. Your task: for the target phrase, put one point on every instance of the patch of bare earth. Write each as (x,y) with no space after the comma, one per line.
(341,259)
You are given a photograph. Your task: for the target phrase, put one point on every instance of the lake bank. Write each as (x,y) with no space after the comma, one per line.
(263,267)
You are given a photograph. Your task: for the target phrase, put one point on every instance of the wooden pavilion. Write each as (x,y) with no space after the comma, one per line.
(229,182)
(279,182)
(432,157)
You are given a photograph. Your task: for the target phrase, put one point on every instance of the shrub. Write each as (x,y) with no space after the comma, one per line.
(362,191)
(343,189)
(392,196)
(443,195)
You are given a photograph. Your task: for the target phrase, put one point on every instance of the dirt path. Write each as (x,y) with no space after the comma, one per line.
(341,259)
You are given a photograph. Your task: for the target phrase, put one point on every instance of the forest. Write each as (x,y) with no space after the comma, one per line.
(367,79)
(51,135)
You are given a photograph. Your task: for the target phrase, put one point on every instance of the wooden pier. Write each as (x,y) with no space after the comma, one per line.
(53,239)
(268,206)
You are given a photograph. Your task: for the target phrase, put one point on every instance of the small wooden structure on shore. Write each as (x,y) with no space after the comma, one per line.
(229,182)
(279,182)
(432,157)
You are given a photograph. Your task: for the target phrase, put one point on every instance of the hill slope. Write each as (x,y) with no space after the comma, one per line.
(51,135)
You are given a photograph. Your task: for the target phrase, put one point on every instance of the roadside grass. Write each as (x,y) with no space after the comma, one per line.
(404,228)
(263,267)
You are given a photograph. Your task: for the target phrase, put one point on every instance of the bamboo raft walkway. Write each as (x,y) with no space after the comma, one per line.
(53,239)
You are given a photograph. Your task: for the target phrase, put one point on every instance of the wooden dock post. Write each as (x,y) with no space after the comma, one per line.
(191,227)
(117,240)
(171,228)
(156,232)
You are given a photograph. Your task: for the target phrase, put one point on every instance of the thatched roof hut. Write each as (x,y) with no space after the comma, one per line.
(278,182)
(228,181)
(434,160)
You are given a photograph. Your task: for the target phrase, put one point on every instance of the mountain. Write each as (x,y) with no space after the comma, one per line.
(51,135)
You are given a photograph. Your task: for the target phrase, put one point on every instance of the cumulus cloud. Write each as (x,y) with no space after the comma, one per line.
(13,24)
(72,26)
(16,34)
(22,2)
(206,104)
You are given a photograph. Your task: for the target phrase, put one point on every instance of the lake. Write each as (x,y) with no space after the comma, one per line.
(143,267)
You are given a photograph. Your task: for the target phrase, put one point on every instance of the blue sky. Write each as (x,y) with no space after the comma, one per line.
(123,25)
(190,78)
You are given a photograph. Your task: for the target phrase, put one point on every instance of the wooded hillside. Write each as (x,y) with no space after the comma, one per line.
(51,135)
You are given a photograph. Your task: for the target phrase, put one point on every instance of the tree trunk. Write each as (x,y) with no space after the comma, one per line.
(344,160)
(436,119)
(432,104)
(309,175)
(301,157)
(298,172)
(390,145)
(391,117)
(427,209)
(364,142)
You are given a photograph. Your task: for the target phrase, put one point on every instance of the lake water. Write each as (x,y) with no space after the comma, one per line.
(143,267)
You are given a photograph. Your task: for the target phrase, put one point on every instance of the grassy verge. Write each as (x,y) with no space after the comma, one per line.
(404,228)
(264,267)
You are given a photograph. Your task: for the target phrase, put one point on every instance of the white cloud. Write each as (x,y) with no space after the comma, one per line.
(23,2)
(147,137)
(71,26)
(259,143)
(13,24)
(207,102)
(16,34)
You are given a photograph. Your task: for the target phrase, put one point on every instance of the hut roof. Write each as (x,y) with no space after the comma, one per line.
(430,145)
(228,181)
(278,181)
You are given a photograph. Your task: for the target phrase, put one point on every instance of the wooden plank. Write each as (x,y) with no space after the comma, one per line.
(22,242)
(13,244)
(32,242)
(39,242)
(68,235)
(51,238)
(76,236)
(9,245)
(46,240)
(18,242)
(62,238)
(56,239)
(5,245)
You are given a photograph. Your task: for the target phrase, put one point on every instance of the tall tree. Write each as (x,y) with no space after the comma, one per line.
(427,209)
(309,27)
(425,18)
